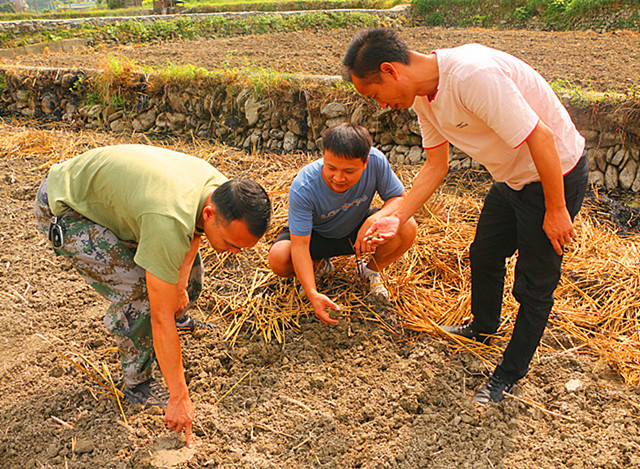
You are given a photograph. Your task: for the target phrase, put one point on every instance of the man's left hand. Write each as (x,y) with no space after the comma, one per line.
(559,228)
(361,245)
(183,300)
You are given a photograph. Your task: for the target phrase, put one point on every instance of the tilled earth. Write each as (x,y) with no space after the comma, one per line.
(602,62)
(346,396)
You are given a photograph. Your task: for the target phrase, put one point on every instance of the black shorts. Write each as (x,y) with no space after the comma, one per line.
(322,247)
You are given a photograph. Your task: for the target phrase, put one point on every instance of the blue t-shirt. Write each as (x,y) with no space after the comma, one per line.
(314,206)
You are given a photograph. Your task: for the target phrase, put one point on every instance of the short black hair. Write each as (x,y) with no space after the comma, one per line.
(241,199)
(348,141)
(370,48)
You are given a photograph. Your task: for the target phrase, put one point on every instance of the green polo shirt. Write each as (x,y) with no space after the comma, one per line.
(146,194)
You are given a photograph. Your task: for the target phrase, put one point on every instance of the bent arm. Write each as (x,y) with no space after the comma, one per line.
(389,206)
(557,221)
(426,182)
(185,273)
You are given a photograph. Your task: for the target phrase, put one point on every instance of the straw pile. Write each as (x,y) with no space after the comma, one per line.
(597,308)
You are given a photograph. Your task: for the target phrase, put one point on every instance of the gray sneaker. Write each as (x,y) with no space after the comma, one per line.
(376,287)
(148,393)
(467,331)
(325,268)
(189,324)
(493,391)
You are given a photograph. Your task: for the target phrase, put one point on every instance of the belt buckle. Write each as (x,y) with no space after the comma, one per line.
(56,234)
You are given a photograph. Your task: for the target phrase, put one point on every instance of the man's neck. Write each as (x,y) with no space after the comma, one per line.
(424,73)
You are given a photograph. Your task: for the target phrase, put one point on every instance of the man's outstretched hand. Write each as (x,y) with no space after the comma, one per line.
(382,230)
(179,416)
(320,303)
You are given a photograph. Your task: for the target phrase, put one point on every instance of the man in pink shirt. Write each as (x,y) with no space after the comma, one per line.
(502,113)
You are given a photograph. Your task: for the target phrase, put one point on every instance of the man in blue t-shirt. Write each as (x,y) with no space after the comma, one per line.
(330,210)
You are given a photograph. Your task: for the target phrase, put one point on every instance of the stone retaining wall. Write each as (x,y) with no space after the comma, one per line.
(289,117)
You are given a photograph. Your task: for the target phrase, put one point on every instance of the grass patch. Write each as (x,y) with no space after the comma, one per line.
(297,5)
(198,6)
(117,86)
(217,26)
(122,83)
(186,28)
(549,14)
(71,14)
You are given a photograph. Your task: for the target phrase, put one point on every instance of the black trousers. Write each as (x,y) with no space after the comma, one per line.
(512,220)
(321,247)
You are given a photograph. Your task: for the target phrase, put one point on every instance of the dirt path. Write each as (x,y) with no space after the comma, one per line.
(600,62)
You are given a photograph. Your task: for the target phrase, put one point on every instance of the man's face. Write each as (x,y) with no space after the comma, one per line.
(388,88)
(341,173)
(228,237)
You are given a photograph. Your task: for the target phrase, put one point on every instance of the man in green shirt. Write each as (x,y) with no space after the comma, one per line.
(130,219)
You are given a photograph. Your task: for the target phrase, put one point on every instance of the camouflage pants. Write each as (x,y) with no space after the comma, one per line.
(106,263)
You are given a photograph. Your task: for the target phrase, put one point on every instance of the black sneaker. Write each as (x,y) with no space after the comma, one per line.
(148,393)
(468,332)
(492,391)
(189,324)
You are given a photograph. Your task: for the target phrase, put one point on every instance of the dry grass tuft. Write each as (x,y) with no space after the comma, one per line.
(597,308)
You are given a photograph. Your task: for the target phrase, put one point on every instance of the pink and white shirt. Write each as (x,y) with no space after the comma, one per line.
(487,104)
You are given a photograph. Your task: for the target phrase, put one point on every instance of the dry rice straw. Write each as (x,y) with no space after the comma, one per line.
(597,307)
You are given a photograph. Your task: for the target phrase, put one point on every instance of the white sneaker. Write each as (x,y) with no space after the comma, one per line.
(376,287)
(325,268)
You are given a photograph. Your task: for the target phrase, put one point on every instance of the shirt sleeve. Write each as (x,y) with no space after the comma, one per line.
(300,213)
(431,138)
(162,246)
(495,99)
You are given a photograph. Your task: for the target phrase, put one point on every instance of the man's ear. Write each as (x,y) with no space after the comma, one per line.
(208,213)
(387,68)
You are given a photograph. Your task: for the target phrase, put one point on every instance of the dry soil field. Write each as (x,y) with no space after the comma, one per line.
(600,62)
(347,396)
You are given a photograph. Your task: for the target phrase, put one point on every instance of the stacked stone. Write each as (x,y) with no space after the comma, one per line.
(290,120)
(611,164)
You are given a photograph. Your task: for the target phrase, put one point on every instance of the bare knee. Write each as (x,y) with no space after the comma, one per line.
(409,231)
(406,235)
(280,259)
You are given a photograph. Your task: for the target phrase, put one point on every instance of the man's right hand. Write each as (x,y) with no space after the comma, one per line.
(320,302)
(179,416)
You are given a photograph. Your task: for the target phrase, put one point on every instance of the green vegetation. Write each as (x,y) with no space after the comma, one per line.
(589,99)
(7,8)
(217,26)
(53,9)
(68,14)
(186,28)
(120,83)
(549,14)
(209,6)
(135,31)
(542,14)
